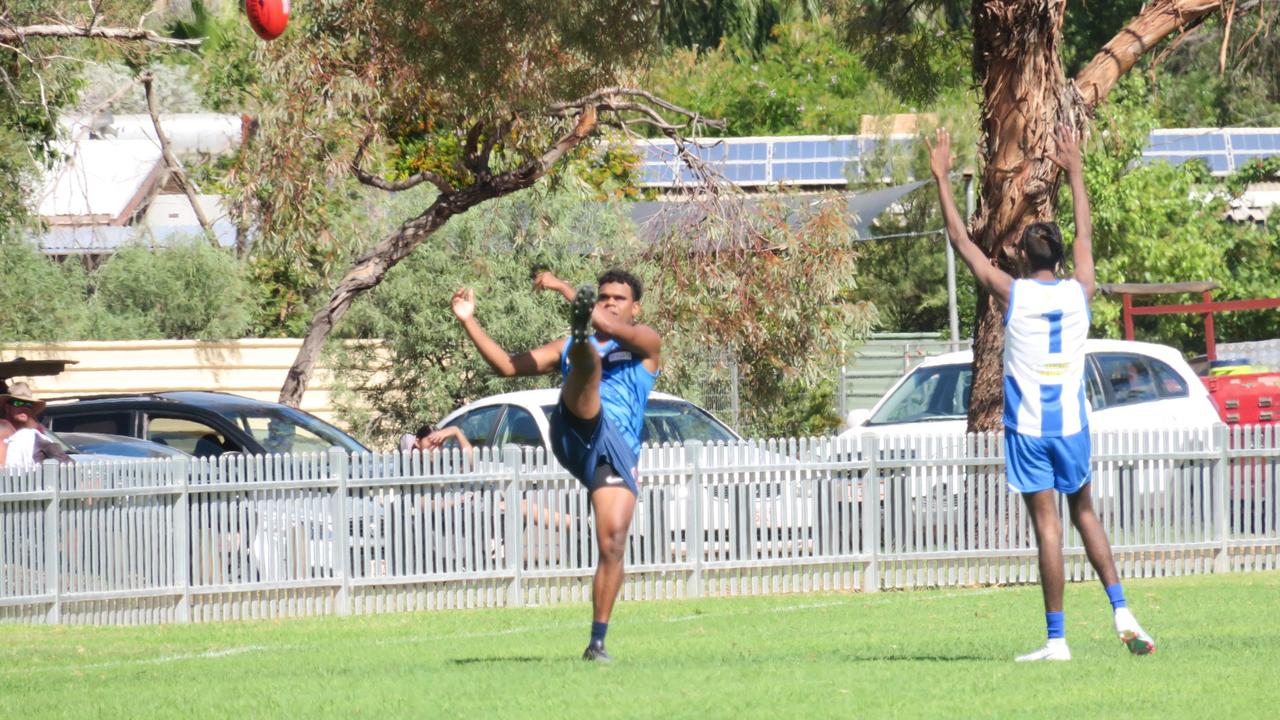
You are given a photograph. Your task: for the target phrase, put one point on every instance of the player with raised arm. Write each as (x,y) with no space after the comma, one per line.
(595,429)
(1046,427)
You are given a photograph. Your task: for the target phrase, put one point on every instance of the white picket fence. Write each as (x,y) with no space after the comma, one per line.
(178,540)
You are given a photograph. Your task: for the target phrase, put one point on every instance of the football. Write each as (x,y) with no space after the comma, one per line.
(268,18)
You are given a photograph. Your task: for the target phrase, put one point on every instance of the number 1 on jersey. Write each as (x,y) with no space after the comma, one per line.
(1055,330)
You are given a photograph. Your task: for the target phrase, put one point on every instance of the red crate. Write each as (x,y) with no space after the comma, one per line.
(1246,399)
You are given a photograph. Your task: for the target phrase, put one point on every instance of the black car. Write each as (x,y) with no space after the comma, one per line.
(203,424)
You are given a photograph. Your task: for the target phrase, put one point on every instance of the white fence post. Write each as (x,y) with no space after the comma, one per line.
(182,526)
(1222,498)
(870,447)
(339,467)
(694,537)
(511,457)
(52,535)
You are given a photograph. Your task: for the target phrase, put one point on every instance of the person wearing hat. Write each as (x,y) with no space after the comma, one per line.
(24,435)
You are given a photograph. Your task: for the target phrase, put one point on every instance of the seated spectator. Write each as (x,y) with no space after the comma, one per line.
(429,438)
(408,442)
(26,442)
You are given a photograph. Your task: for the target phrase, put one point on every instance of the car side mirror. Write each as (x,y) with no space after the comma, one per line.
(857,418)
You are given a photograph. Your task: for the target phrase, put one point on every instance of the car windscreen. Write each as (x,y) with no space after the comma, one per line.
(938,392)
(677,421)
(282,429)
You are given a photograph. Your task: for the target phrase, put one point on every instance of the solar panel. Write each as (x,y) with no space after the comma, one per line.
(1255,141)
(1197,143)
(834,160)
(740,152)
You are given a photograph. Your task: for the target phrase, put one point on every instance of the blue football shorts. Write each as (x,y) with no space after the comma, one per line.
(581,446)
(1033,464)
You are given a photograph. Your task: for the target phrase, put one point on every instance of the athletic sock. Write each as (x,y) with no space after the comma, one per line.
(1056,625)
(598,629)
(1115,594)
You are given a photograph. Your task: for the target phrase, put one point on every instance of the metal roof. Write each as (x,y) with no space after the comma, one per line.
(654,218)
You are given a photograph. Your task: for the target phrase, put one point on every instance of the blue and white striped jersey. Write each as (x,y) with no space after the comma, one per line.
(1046,325)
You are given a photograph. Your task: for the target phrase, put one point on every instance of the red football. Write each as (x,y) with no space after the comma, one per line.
(268,18)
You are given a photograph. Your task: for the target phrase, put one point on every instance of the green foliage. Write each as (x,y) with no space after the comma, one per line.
(805,82)
(807,409)
(1256,170)
(611,168)
(751,24)
(224,62)
(1087,26)
(413,78)
(187,291)
(419,74)
(773,295)
(43,301)
(424,365)
(32,88)
(919,50)
(1157,223)
(1193,90)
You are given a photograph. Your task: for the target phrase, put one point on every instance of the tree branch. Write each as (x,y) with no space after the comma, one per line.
(608,96)
(489,141)
(470,156)
(370,267)
(1157,21)
(371,180)
(21,34)
(175,168)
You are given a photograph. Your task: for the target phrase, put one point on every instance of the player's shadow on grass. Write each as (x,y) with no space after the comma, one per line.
(498,659)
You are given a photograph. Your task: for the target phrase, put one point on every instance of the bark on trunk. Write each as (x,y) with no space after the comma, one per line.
(1025,95)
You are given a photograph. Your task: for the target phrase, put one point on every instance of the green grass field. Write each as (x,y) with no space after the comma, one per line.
(911,654)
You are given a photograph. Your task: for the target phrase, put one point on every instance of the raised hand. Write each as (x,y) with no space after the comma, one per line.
(547,280)
(437,438)
(1066,152)
(940,153)
(464,304)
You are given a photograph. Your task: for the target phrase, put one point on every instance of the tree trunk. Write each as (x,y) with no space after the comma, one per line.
(1025,95)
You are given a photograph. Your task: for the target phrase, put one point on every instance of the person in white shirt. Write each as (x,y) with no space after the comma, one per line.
(1046,427)
(21,433)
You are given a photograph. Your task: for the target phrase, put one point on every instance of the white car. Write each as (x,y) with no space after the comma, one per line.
(738,510)
(1128,385)
(521,418)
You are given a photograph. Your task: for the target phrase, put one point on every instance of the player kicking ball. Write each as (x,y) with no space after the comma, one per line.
(608,364)
(1046,429)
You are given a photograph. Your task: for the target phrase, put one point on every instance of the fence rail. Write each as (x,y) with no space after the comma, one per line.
(246,537)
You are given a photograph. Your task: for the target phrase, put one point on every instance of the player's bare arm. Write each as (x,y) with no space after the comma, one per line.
(547,280)
(640,339)
(1067,156)
(539,361)
(993,279)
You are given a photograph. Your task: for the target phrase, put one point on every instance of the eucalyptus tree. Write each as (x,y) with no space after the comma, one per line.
(477,99)
(1025,93)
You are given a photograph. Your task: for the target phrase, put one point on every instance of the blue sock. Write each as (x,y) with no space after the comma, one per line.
(1055,622)
(598,629)
(1115,594)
